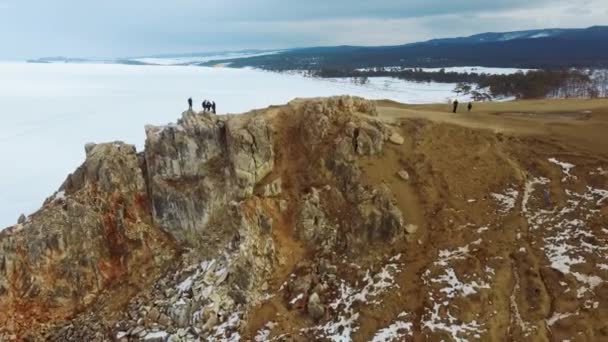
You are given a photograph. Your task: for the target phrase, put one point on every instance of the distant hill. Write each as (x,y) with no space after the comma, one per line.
(547,48)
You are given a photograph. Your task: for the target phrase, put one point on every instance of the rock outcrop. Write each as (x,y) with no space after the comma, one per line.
(204,185)
(316,220)
(95,232)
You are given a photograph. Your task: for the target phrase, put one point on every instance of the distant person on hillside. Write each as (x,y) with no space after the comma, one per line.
(204,105)
(455,106)
(213,106)
(189,103)
(470,106)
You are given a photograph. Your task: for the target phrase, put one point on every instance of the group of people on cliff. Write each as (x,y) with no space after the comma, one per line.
(208,106)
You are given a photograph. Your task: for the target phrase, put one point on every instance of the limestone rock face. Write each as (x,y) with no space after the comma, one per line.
(96,231)
(250,151)
(199,165)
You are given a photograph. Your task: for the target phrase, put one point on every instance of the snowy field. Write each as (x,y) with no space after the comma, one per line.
(49,111)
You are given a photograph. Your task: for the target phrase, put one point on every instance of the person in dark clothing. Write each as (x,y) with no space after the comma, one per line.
(190,103)
(204,105)
(213,106)
(455,106)
(470,106)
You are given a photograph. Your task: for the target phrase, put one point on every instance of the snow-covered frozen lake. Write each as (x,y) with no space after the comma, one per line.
(49,111)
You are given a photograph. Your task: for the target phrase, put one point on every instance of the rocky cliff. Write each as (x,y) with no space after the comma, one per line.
(317,220)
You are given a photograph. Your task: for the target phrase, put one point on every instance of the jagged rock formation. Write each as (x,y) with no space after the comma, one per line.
(317,220)
(96,231)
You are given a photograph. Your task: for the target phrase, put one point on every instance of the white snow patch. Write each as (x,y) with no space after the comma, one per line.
(264,333)
(296,299)
(456,286)
(566,168)
(229,326)
(558,316)
(507,200)
(482,229)
(345,324)
(458,330)
(397,331)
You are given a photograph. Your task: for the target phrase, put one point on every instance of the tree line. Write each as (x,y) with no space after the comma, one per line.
(522,85)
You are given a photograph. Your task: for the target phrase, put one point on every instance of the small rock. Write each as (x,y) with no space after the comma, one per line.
(211,322)
(265,286)
(316,310)
(404,175)
(411,228)
(396,139)
(164,320)
(153,315)
(137,330)
(21,219)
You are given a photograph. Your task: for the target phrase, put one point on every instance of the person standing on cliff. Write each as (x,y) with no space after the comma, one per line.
(189,103)
(213,106)
(455,106)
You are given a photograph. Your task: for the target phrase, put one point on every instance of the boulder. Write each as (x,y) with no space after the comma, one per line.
(404,175)
(411,228)
(315,308)
(396,139)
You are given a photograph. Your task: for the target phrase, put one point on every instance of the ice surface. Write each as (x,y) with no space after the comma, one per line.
(199,59)
(49,112)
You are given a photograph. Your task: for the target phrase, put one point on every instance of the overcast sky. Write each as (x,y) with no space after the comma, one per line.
(118,28)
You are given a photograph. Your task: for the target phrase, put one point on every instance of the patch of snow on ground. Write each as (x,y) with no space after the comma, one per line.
(558,316)
(458,330)
(227,328)
(569,242)
(264,333)
(456,286)
(452,286)
(445,256)
(397,331)
(507,200)
(566,168)
(345,324)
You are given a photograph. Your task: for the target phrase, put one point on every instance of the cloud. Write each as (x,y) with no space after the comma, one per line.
(35,28)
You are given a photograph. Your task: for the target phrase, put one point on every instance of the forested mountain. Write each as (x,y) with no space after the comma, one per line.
(549,48)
